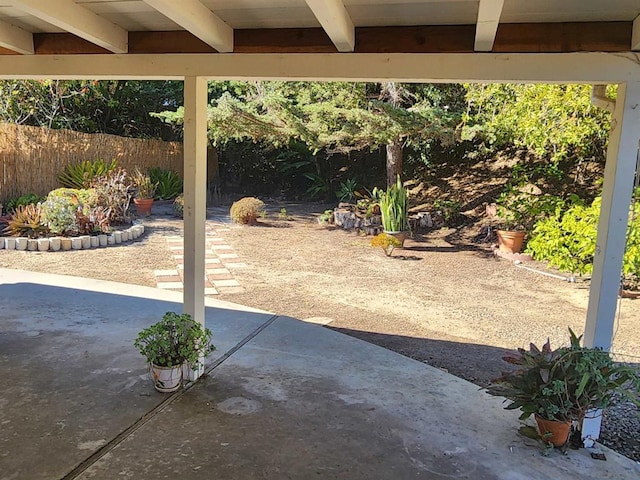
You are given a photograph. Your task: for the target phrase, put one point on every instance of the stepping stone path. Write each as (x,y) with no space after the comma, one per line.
(220,262)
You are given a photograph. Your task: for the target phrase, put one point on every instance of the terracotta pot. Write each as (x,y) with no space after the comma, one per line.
(400,236)
(557,433)
(510,241)
(143,206)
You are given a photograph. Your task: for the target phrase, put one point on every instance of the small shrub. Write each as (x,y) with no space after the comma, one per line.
(22,201)
(82,175)
(387,242)
(26,221)
(178,206)
(113,193)
(168,184)
(145,188)
(326,217)
(450,210)
(246,210)
(60,208)
(347,190)
(283,214)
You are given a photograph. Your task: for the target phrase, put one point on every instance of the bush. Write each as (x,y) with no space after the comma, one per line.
(246,210)
(26,221)
(178,206)
(568,241)
(387,242)
(168,184)
(22,201)
(60,209)
(82,175)
(113,193)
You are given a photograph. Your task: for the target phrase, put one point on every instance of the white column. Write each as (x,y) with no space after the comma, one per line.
(195,186)
(612,227)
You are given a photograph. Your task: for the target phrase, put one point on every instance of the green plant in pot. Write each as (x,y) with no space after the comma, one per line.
(169,344)
(563,386)
(145,191)
(394,208)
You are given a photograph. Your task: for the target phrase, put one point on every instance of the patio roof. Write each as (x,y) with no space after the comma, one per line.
(317,26)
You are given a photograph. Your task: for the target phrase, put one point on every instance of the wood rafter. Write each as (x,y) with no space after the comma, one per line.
(335,20)
(197,19)
(635,35)
(489,12)
(79,20)
(16,39)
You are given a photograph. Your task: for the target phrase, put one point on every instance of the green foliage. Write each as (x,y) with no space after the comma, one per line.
(282,215)
(168,183)
(82,175)
(387,242)
(60,209)
(565,383)
(145,187)
(26,221)
(567,240)
(520,209)
(246,210)
(22,201)
(112,192)
(175,340)
(326,217)
(554,121)
(118,107)
(450,210)
(394,208)
(348,190)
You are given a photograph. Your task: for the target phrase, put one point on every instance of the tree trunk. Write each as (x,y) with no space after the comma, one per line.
(394,161)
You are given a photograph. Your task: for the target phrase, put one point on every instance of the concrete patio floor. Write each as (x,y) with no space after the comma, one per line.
(285,399)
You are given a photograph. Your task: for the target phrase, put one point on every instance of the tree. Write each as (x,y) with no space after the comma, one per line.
(118,107)
(331,116)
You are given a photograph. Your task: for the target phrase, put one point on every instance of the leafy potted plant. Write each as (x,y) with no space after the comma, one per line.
(562,386)
(394,211)
(169,344)
(145,191)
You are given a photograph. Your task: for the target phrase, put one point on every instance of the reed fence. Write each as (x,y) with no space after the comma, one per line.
(31,158)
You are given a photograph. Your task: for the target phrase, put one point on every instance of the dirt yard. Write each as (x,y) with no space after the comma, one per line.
(442,300)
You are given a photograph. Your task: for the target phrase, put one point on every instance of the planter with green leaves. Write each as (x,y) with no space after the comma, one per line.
(394,207)
(145,191)
(563,385)
(174,341)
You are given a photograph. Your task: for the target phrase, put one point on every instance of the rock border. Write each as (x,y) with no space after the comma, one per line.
(62,244)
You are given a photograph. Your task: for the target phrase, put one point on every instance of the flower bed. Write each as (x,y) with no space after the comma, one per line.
(82,242)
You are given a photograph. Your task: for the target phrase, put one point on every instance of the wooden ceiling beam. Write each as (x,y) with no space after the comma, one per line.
(79,20)
(510,38)
(489,12)
(16,39)
(196,18)
(635,35)
(335,20)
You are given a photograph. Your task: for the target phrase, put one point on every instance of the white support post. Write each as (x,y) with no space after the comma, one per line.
(195,186)
(619,174)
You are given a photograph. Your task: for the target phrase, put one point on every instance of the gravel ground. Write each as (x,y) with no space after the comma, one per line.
(442,300)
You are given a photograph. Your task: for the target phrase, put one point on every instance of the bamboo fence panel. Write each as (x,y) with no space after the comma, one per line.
(31,158)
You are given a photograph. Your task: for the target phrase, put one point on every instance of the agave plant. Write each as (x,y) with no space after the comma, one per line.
(26,221)
(81,175)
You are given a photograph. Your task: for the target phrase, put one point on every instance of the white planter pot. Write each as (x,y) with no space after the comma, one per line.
(166,379)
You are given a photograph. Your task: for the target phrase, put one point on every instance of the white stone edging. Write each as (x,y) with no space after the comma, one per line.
(83,242)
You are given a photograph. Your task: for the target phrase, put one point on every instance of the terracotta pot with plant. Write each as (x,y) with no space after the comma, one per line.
(563,386)
(174,341)
(145,191)
(394,208)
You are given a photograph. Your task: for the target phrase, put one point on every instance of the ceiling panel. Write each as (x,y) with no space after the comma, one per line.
(520,11)
(442,12)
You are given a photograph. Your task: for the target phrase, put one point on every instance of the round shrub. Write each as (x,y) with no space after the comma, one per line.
(246,210)
(60,208)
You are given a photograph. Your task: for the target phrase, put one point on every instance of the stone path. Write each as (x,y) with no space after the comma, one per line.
(220,262)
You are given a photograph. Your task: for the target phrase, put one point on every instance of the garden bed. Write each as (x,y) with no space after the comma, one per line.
(82,242)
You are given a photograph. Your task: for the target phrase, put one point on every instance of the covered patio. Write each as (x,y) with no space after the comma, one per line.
(282,399)
(355,40)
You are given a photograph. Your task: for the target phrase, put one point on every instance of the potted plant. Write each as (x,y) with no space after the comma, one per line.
(562,386)
(394,210)
(169,344)
(145,191)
